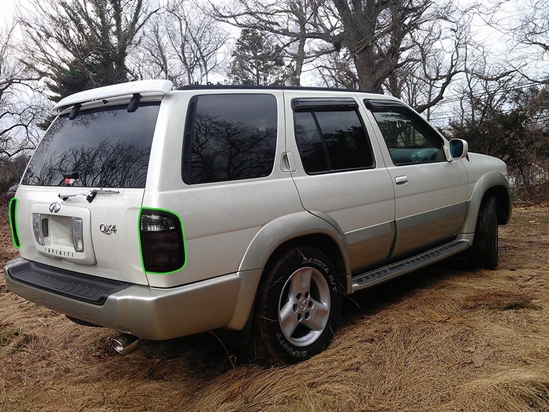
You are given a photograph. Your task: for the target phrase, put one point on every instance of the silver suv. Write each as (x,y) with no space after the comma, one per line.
(162,213)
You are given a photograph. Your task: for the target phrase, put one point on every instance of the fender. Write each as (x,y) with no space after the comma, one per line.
(284,229)
(483,185)
(265,243)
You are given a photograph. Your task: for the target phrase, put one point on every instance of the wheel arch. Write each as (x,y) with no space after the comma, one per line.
(491,184)
(290,230)
(505,203)
(321,241)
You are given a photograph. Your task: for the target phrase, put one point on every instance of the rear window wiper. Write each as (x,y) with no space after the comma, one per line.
(90,195)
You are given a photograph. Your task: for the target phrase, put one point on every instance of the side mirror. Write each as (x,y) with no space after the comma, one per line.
(458,149)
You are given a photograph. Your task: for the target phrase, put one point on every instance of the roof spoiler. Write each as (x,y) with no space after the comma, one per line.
(159,87)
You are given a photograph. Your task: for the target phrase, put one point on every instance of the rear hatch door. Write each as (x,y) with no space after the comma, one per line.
(80,199)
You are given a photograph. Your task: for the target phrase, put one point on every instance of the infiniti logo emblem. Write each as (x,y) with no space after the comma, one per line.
(55,207)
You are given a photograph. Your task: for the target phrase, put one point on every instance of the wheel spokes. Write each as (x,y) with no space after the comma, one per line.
(300,282)
(288,319)
(300,308)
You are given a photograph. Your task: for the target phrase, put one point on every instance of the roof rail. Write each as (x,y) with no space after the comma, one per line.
(211,86)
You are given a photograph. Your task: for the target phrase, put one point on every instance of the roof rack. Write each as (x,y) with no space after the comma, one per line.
(254,87)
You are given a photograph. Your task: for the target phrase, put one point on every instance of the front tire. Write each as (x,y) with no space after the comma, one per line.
(485,243)
(298,305)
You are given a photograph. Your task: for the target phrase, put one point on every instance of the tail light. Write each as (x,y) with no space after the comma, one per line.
(77,229)
(162,241)
(37,228)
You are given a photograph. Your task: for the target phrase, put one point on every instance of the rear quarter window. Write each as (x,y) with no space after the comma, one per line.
(229,137)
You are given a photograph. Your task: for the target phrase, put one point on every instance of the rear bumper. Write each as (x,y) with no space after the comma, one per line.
(149,313)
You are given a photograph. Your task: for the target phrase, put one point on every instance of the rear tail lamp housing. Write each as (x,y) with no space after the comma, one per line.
(77,229)
(162,241)
(37,229)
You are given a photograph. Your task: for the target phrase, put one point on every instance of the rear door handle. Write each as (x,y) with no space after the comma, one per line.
(288,162)
(401,180)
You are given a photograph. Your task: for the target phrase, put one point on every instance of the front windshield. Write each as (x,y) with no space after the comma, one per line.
(107,147)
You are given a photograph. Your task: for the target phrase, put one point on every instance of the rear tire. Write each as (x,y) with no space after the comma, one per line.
(298,305)
(485,243)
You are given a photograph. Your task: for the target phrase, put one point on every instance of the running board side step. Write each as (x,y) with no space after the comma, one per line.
(397,269)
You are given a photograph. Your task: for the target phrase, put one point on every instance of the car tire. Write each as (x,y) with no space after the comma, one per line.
(298,307)
(485,243)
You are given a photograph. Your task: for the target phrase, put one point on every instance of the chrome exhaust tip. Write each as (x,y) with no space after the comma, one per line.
(126,343)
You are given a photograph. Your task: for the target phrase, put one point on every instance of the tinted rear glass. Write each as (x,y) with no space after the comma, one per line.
(109,147)
(332,141)
(229,137)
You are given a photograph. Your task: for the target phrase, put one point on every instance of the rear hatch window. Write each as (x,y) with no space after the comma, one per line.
(107,147)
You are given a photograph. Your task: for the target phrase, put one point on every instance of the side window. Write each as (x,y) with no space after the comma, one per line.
(331,140)
(408,137)
(229,137)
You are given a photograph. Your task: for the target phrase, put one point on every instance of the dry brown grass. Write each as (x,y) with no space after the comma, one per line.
(443,339)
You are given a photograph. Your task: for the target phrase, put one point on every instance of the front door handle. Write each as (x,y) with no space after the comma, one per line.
(401,180)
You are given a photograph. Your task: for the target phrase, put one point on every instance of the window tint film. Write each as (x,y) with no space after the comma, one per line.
(108,147)
(310,144)
(408,138)
(229,137)
(332,141)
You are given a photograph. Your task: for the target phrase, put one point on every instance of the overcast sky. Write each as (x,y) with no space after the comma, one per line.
(494,41)
(7,10)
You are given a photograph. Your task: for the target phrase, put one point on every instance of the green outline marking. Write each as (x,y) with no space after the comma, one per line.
(12,216)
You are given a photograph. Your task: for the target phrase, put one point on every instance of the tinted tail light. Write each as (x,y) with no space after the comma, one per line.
(162,241)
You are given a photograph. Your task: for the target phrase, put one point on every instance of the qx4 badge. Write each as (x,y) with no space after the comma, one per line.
(107,229)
